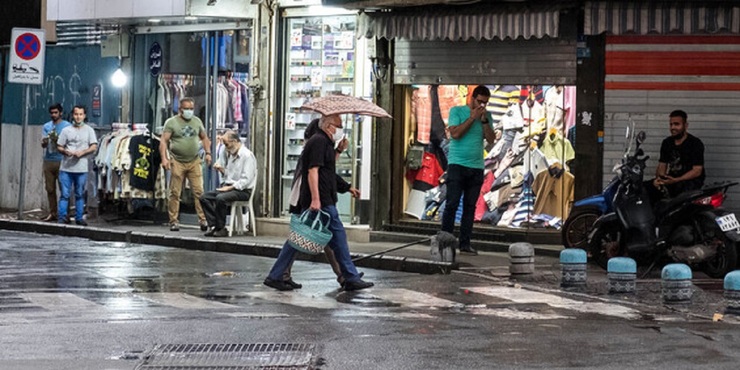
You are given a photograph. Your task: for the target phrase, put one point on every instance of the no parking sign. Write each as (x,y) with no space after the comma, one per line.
(28,48)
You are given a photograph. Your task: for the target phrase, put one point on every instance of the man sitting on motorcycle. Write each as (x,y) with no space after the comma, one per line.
(681,163)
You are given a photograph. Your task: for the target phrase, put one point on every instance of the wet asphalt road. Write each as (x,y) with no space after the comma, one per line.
(69,303)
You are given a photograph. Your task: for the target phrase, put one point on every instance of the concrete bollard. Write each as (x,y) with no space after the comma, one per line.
(732,292)
(622,273)
(573,267)
(676,284)
(521,256)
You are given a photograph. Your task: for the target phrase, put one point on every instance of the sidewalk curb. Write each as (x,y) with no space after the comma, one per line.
(389,263)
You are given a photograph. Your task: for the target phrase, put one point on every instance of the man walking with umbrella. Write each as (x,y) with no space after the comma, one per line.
(319,192)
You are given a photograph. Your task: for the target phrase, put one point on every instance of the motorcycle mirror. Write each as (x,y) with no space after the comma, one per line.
(641,137)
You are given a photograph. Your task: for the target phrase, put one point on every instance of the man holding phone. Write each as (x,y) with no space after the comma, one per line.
(468,126)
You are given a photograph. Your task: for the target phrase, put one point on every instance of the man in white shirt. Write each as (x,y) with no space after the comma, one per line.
(238,169)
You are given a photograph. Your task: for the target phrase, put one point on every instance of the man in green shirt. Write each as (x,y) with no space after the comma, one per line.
(468,126)
(181,140)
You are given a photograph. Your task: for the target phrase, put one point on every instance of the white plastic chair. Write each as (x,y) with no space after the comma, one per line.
(236,224)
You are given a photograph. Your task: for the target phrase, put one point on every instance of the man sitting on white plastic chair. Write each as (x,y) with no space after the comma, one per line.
(238,169)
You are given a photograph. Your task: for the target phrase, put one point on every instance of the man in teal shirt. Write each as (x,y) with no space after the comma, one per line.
(468,126)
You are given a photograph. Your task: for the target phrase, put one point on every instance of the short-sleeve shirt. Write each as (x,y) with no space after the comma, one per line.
(52,132)
(75,139)
(468,150)
(319,152)
(680,159)
(185,139)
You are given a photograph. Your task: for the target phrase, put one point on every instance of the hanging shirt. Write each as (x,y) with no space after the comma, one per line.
(554,194)
(556,147)
(421,109)
(145,158)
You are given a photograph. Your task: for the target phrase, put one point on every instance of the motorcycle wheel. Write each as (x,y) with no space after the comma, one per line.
(578,226)
(726,258)
(606,244)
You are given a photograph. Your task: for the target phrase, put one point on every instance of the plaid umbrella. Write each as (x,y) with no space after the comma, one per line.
(341,104)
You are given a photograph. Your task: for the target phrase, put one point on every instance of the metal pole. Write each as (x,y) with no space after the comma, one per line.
(208,105)
(214,102)
(22,187)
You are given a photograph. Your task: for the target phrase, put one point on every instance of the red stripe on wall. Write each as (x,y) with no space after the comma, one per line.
(682,86)
(673,63)
(673,40)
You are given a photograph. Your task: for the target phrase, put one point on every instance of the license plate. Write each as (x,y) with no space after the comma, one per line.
(727,222)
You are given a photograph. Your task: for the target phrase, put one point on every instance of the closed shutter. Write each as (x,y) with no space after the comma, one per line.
(533,61)
(647,77)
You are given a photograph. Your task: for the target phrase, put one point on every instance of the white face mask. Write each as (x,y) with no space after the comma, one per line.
(187,113)
(338,135)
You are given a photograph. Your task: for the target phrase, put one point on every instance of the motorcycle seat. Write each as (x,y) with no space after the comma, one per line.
(665,205)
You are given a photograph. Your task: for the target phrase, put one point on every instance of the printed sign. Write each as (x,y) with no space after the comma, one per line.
(26,64)
(97,93)
(155,59)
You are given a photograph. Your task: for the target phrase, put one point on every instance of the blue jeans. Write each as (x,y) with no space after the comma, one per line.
(463,182)
(67,180)
(338,245)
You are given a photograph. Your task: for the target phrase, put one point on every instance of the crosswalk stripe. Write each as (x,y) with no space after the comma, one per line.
(527,296)
(412,299)
(60,301)
(183,301)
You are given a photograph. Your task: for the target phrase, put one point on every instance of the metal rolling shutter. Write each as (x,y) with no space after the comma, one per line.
(533,61)
(649,76)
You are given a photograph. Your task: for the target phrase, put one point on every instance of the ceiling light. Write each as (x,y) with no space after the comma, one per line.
(119,78)
(155,20)
(191,18)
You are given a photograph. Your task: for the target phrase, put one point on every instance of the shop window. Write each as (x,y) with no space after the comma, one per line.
(527,179)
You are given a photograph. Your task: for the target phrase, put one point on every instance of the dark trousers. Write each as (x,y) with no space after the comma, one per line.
(462,182)
(216,205)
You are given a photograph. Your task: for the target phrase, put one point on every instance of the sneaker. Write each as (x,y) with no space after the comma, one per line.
(203,226)
(49,218)
(210,232)
(174,227)
(469,250)
(357,285)
(81,222)
(277,284)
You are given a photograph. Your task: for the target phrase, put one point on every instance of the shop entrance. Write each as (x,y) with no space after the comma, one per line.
(528,182)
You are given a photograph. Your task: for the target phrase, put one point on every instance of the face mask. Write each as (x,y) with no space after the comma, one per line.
(187,113)
(77,124)
(338,135)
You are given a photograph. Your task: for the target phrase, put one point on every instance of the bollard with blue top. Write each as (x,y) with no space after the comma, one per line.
(573,267)
(522,259)
(676,284)
(622,273)
(732,292)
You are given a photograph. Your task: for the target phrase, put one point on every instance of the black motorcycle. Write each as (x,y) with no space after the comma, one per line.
(691,228)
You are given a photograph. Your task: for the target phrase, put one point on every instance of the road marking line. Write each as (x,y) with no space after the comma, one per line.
(412,299)
(527,296)
(183,301)
(297,299)
(60,301)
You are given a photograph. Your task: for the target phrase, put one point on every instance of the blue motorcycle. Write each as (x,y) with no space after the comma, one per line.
(579,224)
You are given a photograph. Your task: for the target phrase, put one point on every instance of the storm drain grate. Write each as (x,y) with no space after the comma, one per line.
(234,356)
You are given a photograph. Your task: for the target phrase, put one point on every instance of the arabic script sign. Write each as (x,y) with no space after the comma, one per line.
(155,59)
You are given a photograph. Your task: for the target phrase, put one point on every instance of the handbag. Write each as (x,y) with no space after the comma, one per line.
(308,233)
(415,156)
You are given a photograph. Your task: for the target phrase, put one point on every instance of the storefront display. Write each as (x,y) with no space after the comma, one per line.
(527,180)
(320,61)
